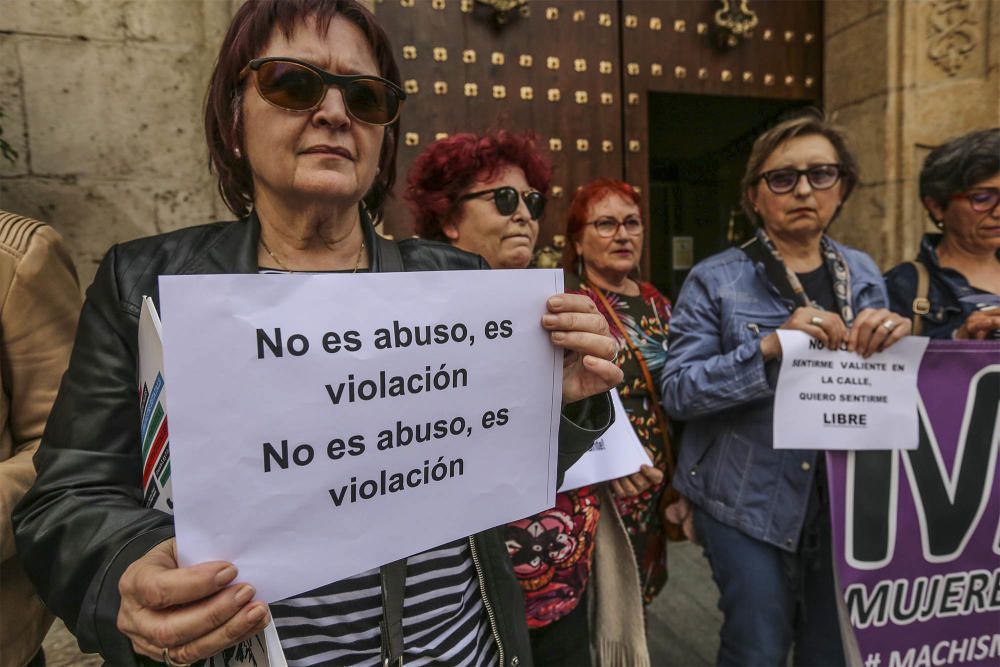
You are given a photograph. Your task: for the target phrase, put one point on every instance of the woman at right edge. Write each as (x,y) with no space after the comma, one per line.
(762,514)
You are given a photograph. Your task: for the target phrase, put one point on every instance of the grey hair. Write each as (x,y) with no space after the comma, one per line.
(958,164)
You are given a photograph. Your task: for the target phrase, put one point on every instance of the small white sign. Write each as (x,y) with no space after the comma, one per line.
(839,400)
(617,453)
(322,425)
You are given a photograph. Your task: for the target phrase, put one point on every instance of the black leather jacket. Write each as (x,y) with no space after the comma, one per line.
(84,523)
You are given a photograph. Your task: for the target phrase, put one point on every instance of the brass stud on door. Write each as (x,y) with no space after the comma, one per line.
(633,99)
(499,92)
(440,87)
(604,20)
(727,76)
(702,28)
(411,87)
(580,96)
(810,82)
(768,35)
(607,146)
(680,25)
(656,69)
(497,58)
(527,93)
(552,62)
(437,4)
(468,56)
(680,72)
(607,99)
(789,36)
(809,38)
(582,145)
(789,79)
(747,77)
(411,139)
(579,15)
(703,73)
(768,79)
(557,192)
(580,65)
(525,60)
(552,13)
(467,6)
(409,52)
(605,67)
(440,135)
(471,90)
(655,23)
(555,145)
(632,69)
(553,94)
(631,21)
(634,146)
(440,54)
(406,3)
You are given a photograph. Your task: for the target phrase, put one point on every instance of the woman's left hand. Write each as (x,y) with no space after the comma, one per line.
(577,327)
(876,329)
(637,482)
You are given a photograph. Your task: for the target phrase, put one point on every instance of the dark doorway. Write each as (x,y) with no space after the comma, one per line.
(699,146)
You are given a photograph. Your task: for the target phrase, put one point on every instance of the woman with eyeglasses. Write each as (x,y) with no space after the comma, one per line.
(483,193)
(762,514)
(952,289)
(301,121)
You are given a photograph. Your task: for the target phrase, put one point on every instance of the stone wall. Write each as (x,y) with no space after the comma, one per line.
(903,76)
(102,100)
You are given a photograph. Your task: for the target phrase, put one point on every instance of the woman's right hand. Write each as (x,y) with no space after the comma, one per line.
(979,325)
(823,325)
(193,612)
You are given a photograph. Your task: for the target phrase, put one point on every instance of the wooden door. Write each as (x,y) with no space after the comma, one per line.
(552,67)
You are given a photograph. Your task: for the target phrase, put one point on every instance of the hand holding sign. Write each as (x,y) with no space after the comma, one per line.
(577,327)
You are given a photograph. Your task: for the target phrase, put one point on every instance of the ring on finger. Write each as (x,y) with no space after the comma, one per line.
(170,663)
(614,356)
(889,325)
(816,319)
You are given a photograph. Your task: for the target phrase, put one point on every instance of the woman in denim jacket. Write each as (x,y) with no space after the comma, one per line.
(762,514)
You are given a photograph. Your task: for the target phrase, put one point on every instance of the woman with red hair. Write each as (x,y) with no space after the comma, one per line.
(605,233)
(481,193)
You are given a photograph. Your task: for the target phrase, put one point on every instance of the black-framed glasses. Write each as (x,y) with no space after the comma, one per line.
(294,85)
(608,226)
(505,198)
(980,199)
(820,177)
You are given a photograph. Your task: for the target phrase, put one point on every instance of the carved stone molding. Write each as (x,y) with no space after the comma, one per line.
(952,33)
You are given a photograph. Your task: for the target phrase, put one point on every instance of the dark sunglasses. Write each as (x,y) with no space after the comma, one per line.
(295,85)
(783,181)
(608,227)
(981,200)
(506,198)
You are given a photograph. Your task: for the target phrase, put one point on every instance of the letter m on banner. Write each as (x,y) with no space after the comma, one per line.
(949,480)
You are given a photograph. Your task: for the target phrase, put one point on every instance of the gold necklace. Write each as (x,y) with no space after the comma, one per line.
(263,244)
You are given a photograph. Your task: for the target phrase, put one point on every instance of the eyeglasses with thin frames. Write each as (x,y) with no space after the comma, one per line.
(981,200)
(608,227)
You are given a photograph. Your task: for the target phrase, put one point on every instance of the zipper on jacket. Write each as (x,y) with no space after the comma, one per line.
(486,599)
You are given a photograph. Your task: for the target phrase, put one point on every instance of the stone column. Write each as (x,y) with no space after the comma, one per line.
(904,76)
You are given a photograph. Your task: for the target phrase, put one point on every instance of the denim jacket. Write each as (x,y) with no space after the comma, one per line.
(945,288)
(715,379)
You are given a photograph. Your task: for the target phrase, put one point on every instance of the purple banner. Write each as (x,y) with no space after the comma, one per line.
(917,533)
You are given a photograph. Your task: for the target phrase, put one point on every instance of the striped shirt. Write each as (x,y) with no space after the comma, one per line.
(444,620)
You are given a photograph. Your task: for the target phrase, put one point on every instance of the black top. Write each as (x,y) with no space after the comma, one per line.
(819,287)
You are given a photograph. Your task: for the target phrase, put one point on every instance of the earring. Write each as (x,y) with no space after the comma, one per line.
(238,153)
(378,170)
(579,266)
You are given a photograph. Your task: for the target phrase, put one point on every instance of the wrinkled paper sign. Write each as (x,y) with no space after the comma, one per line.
(834,399)
(322,425)
(615,454)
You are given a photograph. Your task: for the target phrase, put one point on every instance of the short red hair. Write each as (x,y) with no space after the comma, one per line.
(576,218)
(450,165)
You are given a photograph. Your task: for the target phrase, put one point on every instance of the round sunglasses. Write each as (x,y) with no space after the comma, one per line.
(294,85)
(506,199)
(783,181)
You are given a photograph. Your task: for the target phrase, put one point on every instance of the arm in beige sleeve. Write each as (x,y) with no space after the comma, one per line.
(37,326)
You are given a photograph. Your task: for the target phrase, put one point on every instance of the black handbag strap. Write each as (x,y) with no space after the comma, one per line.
(393,579)
(390,261)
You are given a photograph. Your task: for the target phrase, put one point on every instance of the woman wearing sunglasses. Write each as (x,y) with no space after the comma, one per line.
(952,289)
(762,514)
(481,193)
(301,126)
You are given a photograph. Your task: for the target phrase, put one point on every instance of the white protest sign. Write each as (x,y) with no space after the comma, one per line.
(322,425)
(615,454)
(838,400)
